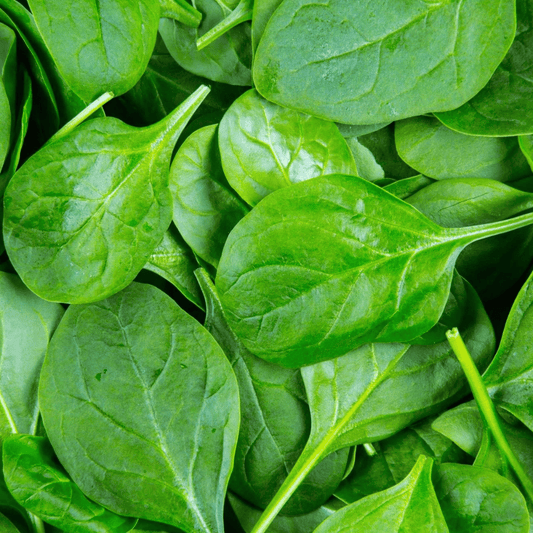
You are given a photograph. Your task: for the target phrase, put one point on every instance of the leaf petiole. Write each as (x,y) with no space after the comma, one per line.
(181,11)
(487,409)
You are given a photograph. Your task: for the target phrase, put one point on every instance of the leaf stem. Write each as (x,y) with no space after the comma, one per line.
(241,13)
(81,117)
(486,407)
(181,11)
(37,523)
(369,449)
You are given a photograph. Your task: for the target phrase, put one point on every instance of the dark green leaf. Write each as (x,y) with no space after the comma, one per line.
(141,407)
(41,486)
(440,153)
(382,61)
(265,147)
(262,11)
(206,208)
(8,78)
(83,215)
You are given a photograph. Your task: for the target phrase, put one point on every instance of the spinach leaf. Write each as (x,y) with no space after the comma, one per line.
(165,85)
(206,208)
(365,162)
(440,153)
(407,187)
(265,147)
(8,76)
(329,264)
(227,60)
(83,215)
(7,526)
(357,130)
(372,392)
(174,261)
(39,483)
(26,323)
(276,426)
(510,376)
(249,515)
(262,12)
(474,499)
(100,47)
(491,265)
(384,61)
(395,457)
(411,505)
(504,106)
(161,401)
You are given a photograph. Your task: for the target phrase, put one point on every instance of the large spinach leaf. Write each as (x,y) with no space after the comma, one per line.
(440,153)
(206,208)
(383,61)
(276,426)
(265,147)
(411,505)
(372,392)
(329,264)
(83,215)
(504,106)
(39,483)
(141,407)
(227,60)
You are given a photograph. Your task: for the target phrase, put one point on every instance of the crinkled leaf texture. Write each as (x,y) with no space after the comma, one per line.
(368,62)
(141,407)
(84,213)
(41,486)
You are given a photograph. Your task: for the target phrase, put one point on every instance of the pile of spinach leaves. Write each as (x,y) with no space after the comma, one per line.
(266,265)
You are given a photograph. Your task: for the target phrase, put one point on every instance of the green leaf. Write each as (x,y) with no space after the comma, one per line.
(491,265)
(405,188)
(39,483)
(6,526)
(83,215)
(26,323)
(357,130)
(227,60)
(173,260)
(383,61)
(510,376)
(474,499)
(262,12)
(249,515)
(161,402)
(206,208)
(8,78)
(329,264)
(265,147)
(276,424)
(373,392)
(505,105)
(395,457)
(408,506)
(440,153)
(101,47)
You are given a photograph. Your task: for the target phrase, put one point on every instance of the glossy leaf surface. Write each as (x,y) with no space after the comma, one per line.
(265,147)
(206,208)
(39,483)
(409,506)
(68,205)
(440,153)
(160,400)
(276,426)
(102,46)
(340,263)
(504,106)
(384,61)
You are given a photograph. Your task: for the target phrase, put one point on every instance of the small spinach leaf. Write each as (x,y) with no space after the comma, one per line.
(161,401)
(69,205)
(440,153)
(383,61)
(411,505)
(405,188)
(206,208)
(265,147)
(40,485)
(8,77)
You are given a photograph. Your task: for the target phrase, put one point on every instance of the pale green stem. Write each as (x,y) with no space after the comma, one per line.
(82,116)
(181,11)
(369,449)
(241,13)
(487,409)
(37,523)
